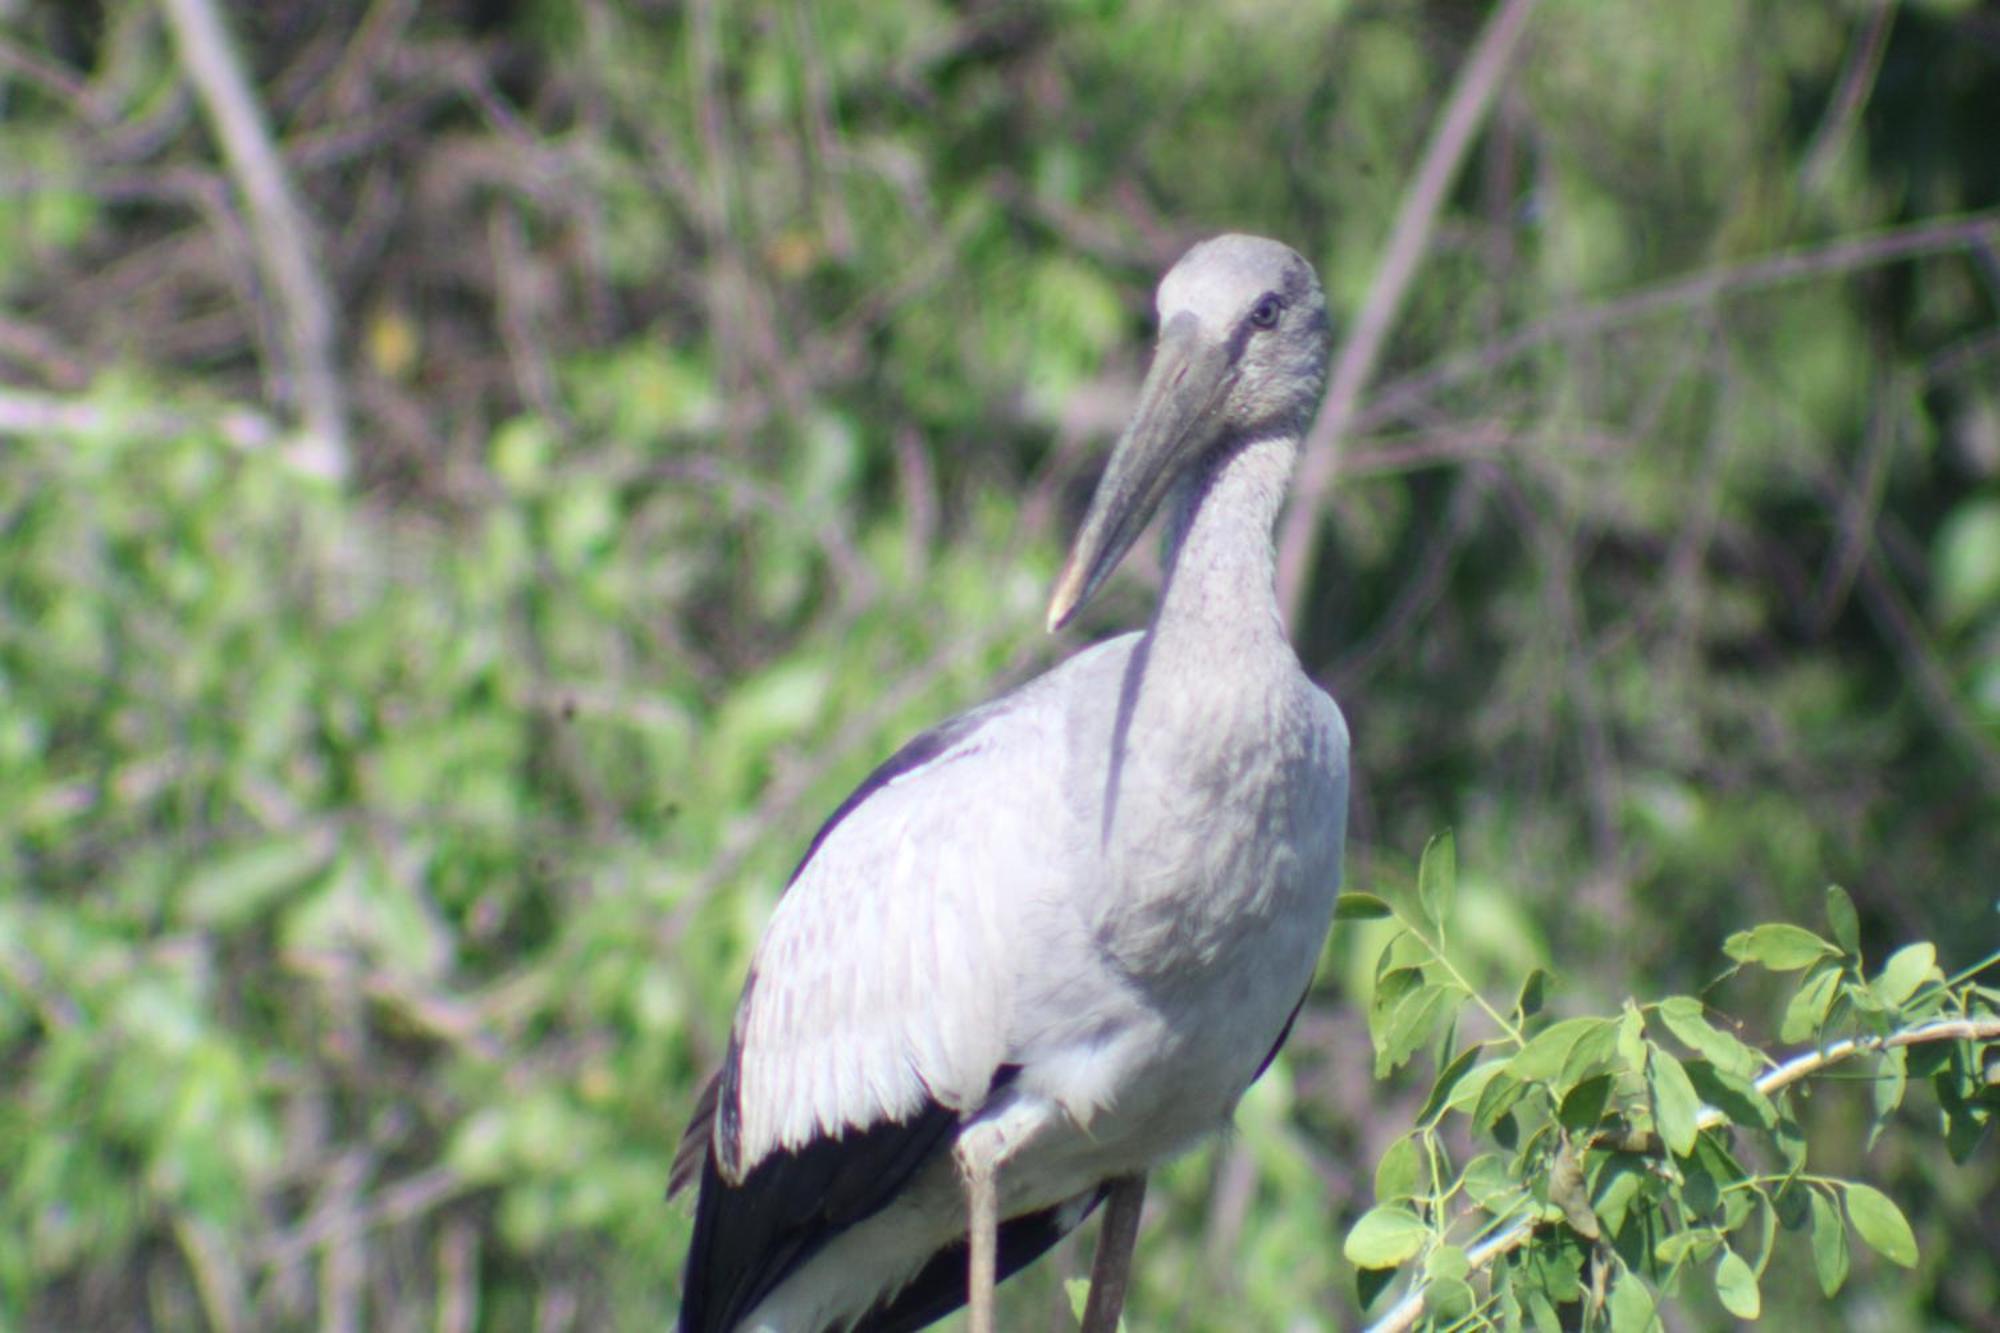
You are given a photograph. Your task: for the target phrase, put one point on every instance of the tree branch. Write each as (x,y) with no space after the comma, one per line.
(1849,254)
(279,228)
(1405,1313)
(1409,241)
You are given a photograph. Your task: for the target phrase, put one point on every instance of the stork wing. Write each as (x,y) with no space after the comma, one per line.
(876,1010)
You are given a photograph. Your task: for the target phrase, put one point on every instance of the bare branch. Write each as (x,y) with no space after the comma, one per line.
(279,227)
(1857,81)
(1849,254)
(1409,240)
(25,413)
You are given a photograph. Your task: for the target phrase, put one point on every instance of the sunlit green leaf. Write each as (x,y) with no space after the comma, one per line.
(1736,1286)
(1684,1017)
(1447,1083)
(1880,1223)
(1409,1026)
(1907,969)
(1841,918)
(1807,1009)
(1779,946)
(1675,1105)
(1465,1093)
(1488,1181)
(1630,1306)
(1829,1244)
(1385,1236)
(1545,1053)
(1399,1174)
(1437,878)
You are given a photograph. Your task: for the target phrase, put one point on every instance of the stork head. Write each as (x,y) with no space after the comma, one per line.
(1241,356)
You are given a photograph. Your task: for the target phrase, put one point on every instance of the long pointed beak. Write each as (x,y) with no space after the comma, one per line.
(1170,428)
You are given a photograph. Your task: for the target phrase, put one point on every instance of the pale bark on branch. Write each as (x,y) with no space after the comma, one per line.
(280,230)
(1409,240)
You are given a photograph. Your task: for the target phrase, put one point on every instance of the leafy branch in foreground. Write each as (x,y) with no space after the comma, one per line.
(1599,1163)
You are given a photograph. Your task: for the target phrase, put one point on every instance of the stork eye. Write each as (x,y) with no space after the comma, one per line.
(1264,314)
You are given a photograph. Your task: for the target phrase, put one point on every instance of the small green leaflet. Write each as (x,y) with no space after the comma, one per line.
(1879,1222)
(1779,946)
(1384,1237)
(1676,1108)
(1736,1286)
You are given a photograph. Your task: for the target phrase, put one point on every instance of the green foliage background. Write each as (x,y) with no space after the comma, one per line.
(379,860)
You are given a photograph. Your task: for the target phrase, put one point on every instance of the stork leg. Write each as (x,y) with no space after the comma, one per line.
(1111,1270)
(982,1221)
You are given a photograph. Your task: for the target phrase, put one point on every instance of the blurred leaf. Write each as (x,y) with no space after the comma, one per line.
(1968,561)
(1529,1002)
(1359,907)
(231,887)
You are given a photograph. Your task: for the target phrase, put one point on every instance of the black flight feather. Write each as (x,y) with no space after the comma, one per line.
(751,1236)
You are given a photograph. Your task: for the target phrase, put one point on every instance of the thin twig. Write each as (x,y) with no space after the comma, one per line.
(218,1276)
(1409,240)
(1843,112)
(1927,676)
(1937,236)
(1407,1311)
(279,228)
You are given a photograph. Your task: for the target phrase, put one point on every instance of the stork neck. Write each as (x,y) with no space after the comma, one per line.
(1221,594)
